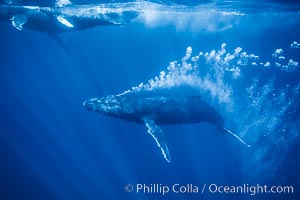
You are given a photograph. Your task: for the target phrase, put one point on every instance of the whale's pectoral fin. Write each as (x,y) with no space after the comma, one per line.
(237,137)
(158,135)
(18,21)
(64,21)
(59,18)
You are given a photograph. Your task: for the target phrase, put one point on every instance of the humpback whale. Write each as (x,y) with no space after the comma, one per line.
(68,18)
(54,20)
(159,110)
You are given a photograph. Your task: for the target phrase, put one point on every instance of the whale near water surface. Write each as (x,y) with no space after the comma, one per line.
(69,18)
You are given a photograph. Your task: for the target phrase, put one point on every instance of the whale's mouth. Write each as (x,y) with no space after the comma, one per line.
(103,105)
(90,104)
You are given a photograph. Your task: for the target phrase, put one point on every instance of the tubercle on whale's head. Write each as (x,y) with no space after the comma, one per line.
(106,105)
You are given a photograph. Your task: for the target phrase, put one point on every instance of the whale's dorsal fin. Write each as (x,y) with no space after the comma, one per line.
(158,135)
(18,21)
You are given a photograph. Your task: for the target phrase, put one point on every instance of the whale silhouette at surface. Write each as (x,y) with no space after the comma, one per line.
(68,18)
(159,110)
(54,20)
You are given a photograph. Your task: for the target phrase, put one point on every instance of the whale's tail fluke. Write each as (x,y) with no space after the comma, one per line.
(237,137)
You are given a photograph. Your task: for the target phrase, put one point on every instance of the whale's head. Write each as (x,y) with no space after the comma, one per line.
(106,105)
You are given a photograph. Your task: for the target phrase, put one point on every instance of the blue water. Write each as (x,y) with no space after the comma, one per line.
(53,148)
